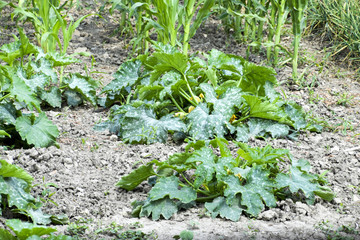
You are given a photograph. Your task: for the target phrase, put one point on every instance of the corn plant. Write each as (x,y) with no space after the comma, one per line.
(42,16)
(166,18)
(298,8)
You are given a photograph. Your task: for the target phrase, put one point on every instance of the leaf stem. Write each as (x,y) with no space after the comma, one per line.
(6,96)
(176,104)
(205,199)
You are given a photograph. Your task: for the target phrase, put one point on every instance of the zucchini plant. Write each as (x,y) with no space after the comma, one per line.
(229,186)
(200,97)
(15,186)
(28,80)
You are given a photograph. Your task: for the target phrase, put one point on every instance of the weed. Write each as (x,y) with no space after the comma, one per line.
(344,99)
(78,228)
(48,190)
(129,232)
(344,232)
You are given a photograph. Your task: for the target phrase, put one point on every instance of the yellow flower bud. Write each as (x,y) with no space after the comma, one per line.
(233,117)
(191,108)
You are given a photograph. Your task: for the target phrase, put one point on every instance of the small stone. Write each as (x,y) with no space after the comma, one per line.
(34,153)
(113,138)
(337,201)
(302,208)
(335,149)
(268,215)
(68,161)
(45,157)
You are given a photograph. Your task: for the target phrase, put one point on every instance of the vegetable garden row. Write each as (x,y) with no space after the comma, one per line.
(165,92)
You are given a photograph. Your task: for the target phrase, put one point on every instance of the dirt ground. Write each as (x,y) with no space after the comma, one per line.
(88,164)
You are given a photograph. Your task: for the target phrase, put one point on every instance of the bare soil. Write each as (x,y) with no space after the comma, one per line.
(88,164)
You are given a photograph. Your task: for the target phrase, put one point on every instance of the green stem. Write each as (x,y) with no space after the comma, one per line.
(6,96)
(240,120)
(176,104)
(187,97)
(188,182)
(295,57)
(271,31)
(189,88)
(61,74)
(282,14)
(208,198)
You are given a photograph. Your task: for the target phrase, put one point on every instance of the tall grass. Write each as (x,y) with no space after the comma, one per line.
(339,22)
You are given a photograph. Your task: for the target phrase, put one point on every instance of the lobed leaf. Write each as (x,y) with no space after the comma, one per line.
(141,125)
(39,131)
(132,180)
(127,75)
(165,207)
(256,190)
(83,85)
(204,125)
(169,187)
(219,206)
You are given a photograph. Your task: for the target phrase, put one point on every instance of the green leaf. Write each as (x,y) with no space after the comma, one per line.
(36,82)
(165,207)
(257,189)
(7,113)
(255,78)
(23,230)
(167,62)
(45,67)
(186,235)
(261,156)
(298,179)
(263,109)
(204,171)
(261,128)
(127,75)
(204,125)
(39,131)
(6,235)
(219,206)
(141,125)
(132,180)
(169,186)
(16,191)
(52,97)
(83,85)
(3,133)
(9,170)
(297,115)
(21,91)
(226,103)
(60,60)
